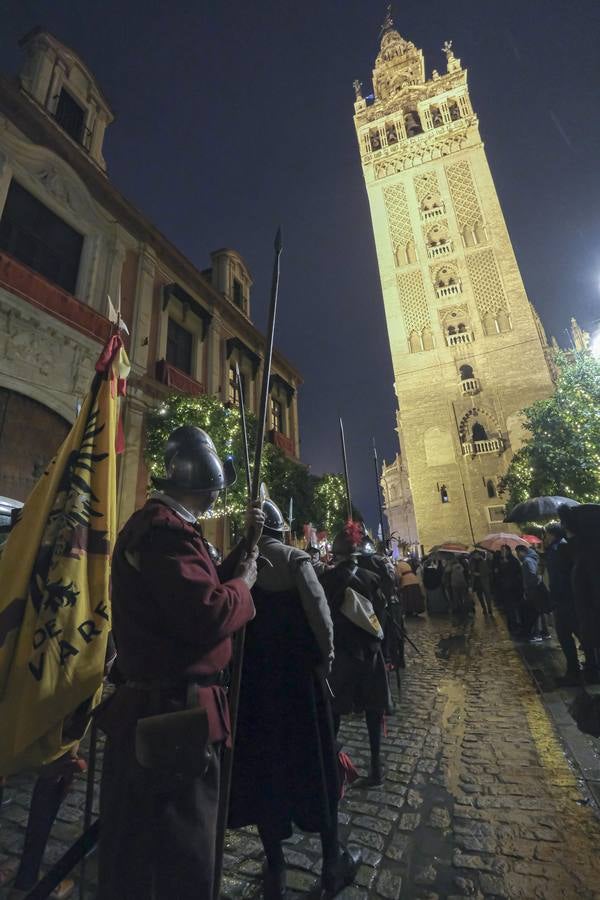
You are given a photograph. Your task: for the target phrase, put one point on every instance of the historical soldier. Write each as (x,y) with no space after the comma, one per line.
(173,617)
(391,616)
(359,677)
(285,763)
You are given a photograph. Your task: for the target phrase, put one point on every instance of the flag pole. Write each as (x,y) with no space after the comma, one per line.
(252,540)
(346,476)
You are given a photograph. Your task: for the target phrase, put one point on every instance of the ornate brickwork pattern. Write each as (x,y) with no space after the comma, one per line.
(413,302)
(398,216)
(426,184)
(487,285)
(464,197)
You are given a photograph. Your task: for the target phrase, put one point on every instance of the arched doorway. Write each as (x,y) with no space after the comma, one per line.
(30,435)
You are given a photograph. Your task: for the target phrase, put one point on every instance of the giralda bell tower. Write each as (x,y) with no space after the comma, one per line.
(468,348)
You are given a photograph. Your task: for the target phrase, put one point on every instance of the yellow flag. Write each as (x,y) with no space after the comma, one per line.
(54,584)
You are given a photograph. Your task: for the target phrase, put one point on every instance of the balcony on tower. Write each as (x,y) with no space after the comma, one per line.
(448,290)
(469,386)
(473,448)
(433,251)
(438,241)
(475,439)
(436,213)
(458,338)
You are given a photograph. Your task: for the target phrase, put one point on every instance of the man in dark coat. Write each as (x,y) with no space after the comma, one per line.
(559,566)
(173,618)
(582,524)
(359,678)
(285,762)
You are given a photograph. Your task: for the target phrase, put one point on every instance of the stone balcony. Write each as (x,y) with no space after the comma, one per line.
(449,290)
(462,337)
(428,214)
(473,448)
(469,386)
(19,279)
(284,443)
(177,380)
(439,250)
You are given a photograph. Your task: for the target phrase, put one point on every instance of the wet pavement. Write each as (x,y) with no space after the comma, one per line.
(489,789)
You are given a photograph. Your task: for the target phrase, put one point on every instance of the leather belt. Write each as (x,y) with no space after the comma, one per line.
(216,679)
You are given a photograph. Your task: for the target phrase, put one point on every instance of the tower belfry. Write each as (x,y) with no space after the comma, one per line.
(468,349)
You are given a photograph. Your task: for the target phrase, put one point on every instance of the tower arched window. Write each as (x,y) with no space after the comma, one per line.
(437,235)
(412,122)
(391,134)
(454,110)
(436,117)
(479,432)
(491,489)
(431,201)
(414,342)
(466,372)
(427,339)
(375,140)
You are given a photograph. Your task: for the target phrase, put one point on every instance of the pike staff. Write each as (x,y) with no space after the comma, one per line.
(240,393)
(346,476)
(251,541)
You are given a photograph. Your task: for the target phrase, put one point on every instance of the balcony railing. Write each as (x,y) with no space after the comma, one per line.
(176,379)
(449,290)
(435,213)
(19,279)
(439,250)
(283,442)
(462,337)
(470,386)
(493,445)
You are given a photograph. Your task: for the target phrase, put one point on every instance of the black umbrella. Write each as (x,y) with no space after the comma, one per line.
(538,508)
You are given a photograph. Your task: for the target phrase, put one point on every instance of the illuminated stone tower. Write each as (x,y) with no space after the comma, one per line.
(468,348)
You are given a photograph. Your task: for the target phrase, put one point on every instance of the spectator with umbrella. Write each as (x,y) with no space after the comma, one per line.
(534,625)
(509,586)
(480,571)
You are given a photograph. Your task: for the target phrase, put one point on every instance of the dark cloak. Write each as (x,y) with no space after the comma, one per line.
(285,763)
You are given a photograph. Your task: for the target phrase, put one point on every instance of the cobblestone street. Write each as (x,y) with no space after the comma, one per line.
(480,799)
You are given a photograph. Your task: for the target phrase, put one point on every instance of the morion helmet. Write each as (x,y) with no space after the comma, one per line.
(192,463)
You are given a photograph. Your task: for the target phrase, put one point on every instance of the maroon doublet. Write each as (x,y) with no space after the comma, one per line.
(173,618)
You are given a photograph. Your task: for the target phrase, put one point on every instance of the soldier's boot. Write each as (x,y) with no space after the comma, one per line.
(374,719)
(376,775)
(274,883)
(341,872)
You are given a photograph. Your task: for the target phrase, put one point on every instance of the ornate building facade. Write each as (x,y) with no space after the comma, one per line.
(69,238)
(467,346)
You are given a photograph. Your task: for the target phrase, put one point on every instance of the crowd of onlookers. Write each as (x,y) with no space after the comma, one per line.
(555,585)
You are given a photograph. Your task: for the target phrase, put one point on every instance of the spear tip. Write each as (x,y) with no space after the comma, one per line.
(278,241)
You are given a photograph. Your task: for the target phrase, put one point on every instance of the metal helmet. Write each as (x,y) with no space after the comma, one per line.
(348,541)
(367,546)
(192,463)
(274,520)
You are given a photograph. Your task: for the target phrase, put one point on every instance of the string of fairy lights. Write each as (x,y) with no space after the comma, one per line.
(324,496)
(561,455)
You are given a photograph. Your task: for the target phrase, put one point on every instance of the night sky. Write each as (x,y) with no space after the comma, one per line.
(235,116)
